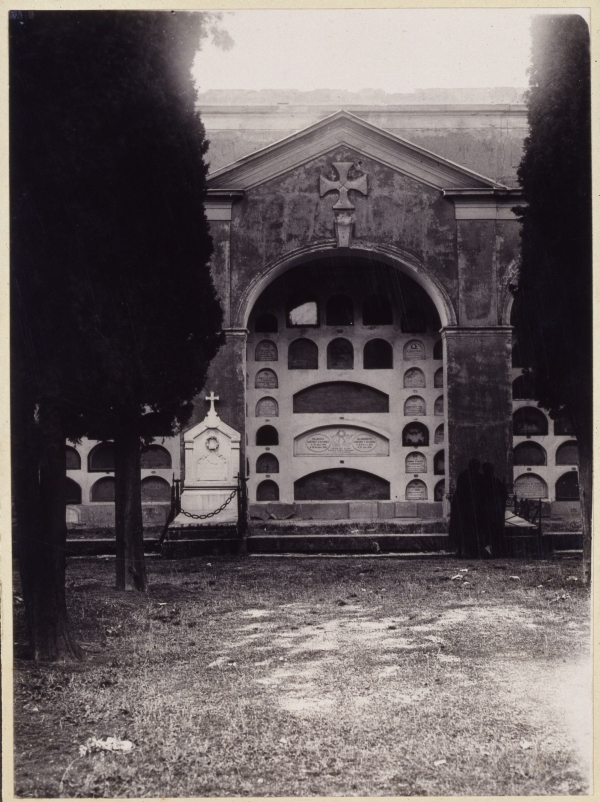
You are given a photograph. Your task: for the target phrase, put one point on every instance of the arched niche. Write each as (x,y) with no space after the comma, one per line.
(439,434)
(438,378)
(267,463)
(265,351)
(332,397)
(438,407)
(530,485)
(522,387)
(102,458)
(340,354)
(439,463)
(529,453)
(302,310)
(563,425)
(267,436)
(339,311)
(439,490)
(341,484)
(414,406)
(266,379)
(377,311)
(266,323)
(414,377)
(416,490)
(267,490)
(73,491)
(303,354)
(378,355)
(415,434)
(156,489)
(103,490)
(155,456)
(267,407)
(438,350)
(567,453)
(414,350)
(73,459)
(415,462)
(567,487)
(529,421)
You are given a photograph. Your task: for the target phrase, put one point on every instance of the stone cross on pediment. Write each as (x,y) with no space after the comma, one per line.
(343,185)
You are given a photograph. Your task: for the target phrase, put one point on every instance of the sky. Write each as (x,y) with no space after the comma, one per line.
(395,50)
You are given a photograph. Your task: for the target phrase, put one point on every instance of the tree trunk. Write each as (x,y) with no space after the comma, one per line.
(131,569)
(39,492)
(584,427)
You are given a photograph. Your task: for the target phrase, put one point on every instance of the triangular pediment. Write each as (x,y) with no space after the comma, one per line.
(343,128)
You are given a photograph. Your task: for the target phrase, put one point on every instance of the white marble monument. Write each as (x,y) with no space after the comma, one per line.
(212,463)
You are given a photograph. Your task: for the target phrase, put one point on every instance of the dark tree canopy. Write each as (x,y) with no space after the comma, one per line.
(553,308)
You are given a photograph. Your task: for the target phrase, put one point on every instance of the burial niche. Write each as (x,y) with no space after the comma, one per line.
(302,310)
(438,378)
(415,463)
(73,494)
(267,408)
(341,484)
(103,489)
(413,350)
(415,434)
(102,458)
(439,464)
(439,490)
(340,354)
(522,387)
(265,351)
(567,487)
(303,354)
(528,421)
(438,350)
(414,406)
(530,485)
(529,453)
(378,355)
(340,397)
(155,456)
(438,407)
(267,463)
(267,436)
(73,459)
(266,323)
(567,453)
(563,425)
(339,311)
(416,490)
(377,311)
(154,488)
(266,379)
(267,490)
(414,377)
(439,434)
(341,441)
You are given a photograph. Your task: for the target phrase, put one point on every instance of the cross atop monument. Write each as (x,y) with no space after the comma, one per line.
(212,398)
(343,185)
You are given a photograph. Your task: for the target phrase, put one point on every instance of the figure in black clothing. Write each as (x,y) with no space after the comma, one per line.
(466,510)
(494,506)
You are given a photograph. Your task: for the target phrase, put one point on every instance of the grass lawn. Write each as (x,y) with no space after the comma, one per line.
(349,676)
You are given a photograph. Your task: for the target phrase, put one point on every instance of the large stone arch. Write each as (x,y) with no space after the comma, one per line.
(389,256)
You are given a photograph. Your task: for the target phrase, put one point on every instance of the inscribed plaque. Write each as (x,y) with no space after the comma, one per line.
(266,379)
(267,408)
(416,491)
(414,349)
(414,377)
(416,463)
(266,351)
(414,406)
(531,486)
(336,441)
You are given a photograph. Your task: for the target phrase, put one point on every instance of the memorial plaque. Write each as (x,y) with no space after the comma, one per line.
(531,486)
(266,351)
(337,441)
(212,465)
(414,406)
(416,491)
(439,434)
(414,349)
(414,377)
(438,378)
(266,379)
(416,463)
(267,408)
(438,407)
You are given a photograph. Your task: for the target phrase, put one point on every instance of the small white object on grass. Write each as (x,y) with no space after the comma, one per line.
(457,576)
(525,744)
(439,762)
(107,745)
(514,577)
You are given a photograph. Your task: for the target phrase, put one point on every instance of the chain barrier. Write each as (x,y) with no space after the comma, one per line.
(210,514)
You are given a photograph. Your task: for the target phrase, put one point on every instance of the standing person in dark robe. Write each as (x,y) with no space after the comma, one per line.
(494,495)
(466,512)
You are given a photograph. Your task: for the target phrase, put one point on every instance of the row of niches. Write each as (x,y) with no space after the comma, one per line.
(414,407)
(530,485)
(267,379)
(531,453)
(155,490)
(101,459)
(377,354)
(414,434)
(346,484)
(415,462)
(303,310)
(531,421)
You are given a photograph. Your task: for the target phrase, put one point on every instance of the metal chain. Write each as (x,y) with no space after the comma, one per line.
(209,514)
